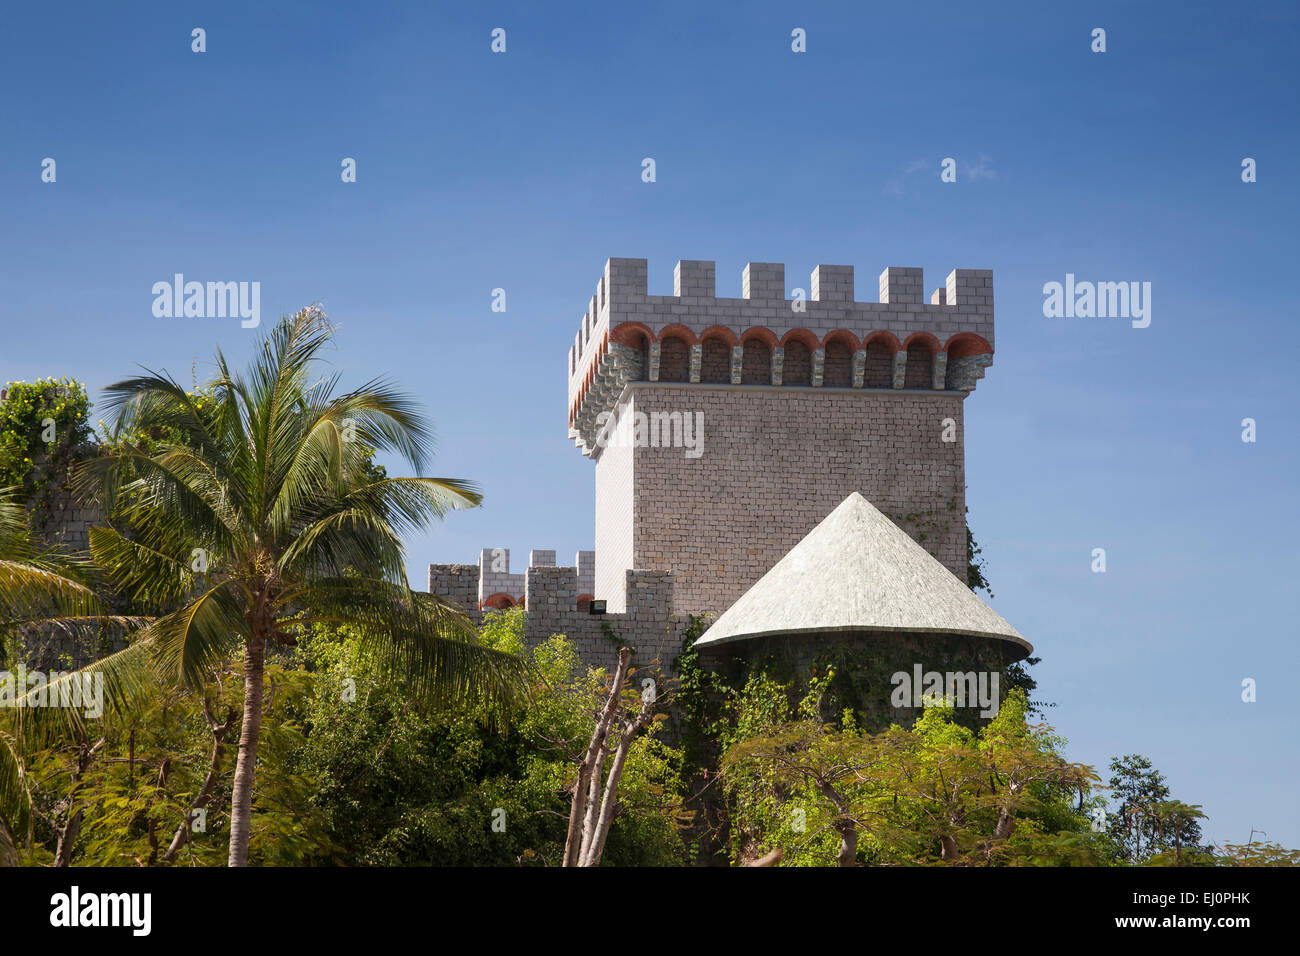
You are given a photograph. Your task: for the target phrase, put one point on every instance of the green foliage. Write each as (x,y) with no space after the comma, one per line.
(31,412)
(503,630)
(976,566)
(404,785)
(1266,853)
(353,769)
(699,701)
(135,777)
(937,793)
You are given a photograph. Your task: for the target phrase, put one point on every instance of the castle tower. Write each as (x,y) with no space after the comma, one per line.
(724,429)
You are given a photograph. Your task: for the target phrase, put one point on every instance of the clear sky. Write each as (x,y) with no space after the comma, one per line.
(522,170)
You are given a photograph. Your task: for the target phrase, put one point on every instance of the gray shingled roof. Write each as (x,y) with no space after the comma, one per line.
(858,571)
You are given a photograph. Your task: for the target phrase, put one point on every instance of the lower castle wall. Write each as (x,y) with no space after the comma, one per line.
(550,598)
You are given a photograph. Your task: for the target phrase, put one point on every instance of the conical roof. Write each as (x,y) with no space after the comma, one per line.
(858,571)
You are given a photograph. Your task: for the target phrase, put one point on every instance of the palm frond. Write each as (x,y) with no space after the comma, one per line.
(188,643)
(57,709)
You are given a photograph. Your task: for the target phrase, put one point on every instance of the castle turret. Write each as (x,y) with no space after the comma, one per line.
(724,429)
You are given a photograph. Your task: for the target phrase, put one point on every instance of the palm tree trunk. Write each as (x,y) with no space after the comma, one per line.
(241,803)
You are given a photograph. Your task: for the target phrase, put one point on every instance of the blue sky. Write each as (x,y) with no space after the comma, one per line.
(522,170)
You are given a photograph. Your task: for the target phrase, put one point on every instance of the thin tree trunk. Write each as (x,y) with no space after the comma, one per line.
(185,832)
(8,852)
(577,837)
(593,795)
(241,801)
(577,812)
(1006,824)
(848,845)
(69,831)
(844,826)
(68,838)
(159,785)
(609,802)
(948,848)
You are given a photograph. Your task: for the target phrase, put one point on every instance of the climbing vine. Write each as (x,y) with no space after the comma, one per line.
(615,641)
(42,425)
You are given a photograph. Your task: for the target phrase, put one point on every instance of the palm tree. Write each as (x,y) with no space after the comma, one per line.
(262,516)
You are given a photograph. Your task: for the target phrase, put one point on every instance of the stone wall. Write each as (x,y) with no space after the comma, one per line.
(64,521)
(773,463)
(551,601)
(458,584)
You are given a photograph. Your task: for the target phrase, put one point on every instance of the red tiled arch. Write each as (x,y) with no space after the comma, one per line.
(841,335)
(680,331)
(720,332)
(499,601)
(801,335)
(967,343)
(764,335)
(626,333)
(887,337)
(923,338)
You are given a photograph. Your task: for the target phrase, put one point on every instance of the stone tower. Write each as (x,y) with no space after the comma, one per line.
(723,429)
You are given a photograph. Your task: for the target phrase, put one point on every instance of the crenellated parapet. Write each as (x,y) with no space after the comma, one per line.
(557,600)
(819,337)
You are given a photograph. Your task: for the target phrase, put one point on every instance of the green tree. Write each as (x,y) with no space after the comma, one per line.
(264,519)
(405,785)
(1266,853)
(799,787)
(1146,822)
(149,785)
(937,793)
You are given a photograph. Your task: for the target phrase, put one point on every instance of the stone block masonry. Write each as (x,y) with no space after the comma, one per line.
(629,335)
(775,462)
(802,402)
(551,596)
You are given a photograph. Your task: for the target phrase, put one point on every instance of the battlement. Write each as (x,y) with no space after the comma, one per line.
(556,599)
(491,583)
(822,337)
